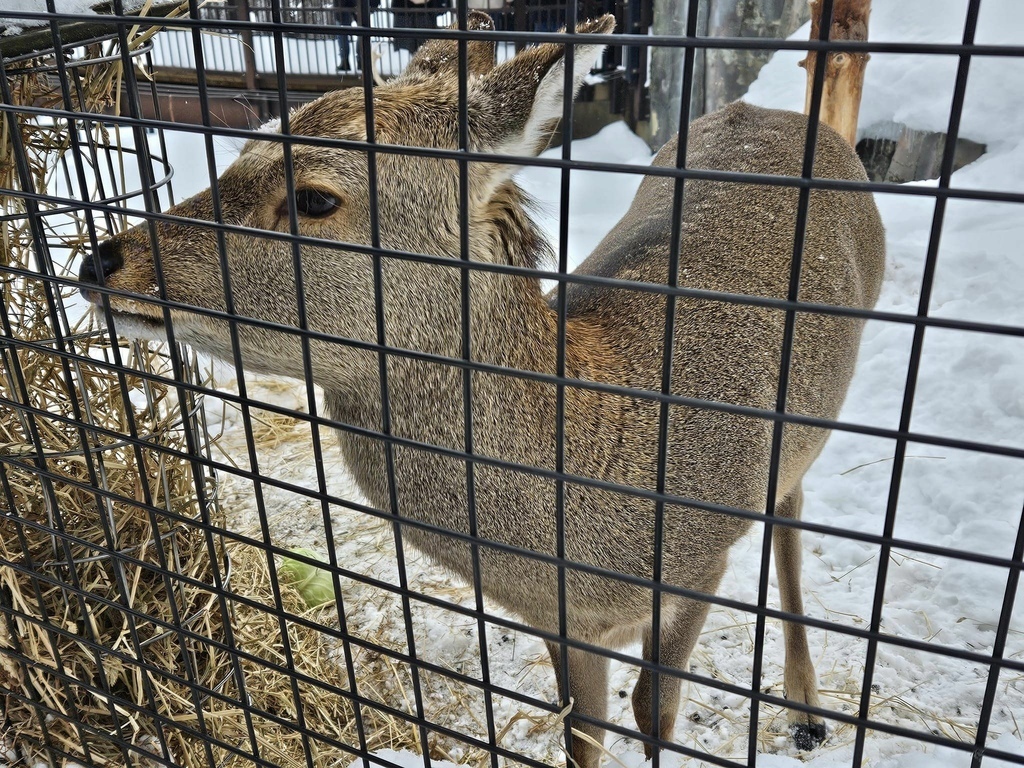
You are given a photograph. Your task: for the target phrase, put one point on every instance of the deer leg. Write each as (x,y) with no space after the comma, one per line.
(800,679)
(588,688)
(678,638)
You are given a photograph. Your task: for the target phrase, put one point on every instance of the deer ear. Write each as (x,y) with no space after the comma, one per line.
(436,57)
(514,108)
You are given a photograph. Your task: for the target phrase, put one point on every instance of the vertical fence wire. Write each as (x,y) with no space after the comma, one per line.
(564,654)
(229,305)
(385,398)
(913,368)
(998,649)
(667,360)
(785,361)
(465,319)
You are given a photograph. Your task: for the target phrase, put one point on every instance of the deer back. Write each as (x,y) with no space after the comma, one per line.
(738,239)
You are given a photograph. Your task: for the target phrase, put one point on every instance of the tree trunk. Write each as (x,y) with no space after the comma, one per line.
(667,70)
(720,75)
(844,71)
(730,72)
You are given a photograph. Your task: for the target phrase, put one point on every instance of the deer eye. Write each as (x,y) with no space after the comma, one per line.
(314,202)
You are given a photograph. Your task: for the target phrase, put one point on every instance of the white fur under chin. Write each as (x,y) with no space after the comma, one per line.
(134,327)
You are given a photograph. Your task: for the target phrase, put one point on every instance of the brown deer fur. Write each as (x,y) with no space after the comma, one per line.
(736,238)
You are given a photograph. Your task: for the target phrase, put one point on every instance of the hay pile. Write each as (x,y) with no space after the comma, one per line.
(114,631)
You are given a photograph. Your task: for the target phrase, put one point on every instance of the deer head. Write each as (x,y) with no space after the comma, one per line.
(510,109)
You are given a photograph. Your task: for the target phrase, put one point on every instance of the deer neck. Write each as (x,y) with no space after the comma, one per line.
(512,325)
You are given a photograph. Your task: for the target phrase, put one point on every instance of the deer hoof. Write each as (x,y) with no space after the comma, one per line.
(807,736)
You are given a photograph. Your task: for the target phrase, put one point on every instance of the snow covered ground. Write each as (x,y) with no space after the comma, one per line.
(971,386)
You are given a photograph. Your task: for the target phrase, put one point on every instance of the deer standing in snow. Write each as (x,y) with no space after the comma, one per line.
(736,238)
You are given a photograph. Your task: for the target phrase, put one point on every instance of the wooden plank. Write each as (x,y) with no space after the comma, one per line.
(263,80)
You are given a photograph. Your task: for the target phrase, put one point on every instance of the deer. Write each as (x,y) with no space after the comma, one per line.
(735,240)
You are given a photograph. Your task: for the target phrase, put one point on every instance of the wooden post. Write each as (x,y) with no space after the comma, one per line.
(248,52)
(844,71)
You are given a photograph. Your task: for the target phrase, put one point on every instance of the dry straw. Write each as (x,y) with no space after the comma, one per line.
(115,590)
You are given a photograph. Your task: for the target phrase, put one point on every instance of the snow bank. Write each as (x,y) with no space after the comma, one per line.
(918,90)
(597,200)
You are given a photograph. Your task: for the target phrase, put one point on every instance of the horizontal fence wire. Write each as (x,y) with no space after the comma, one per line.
(497,157)
(624,38)
(235,687)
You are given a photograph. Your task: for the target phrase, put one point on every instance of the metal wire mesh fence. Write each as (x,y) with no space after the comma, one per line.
(194,574)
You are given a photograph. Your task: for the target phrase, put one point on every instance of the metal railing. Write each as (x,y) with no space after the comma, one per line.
(323,45)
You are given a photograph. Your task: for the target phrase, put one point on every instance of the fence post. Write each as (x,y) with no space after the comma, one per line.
(519,21)
(248,52)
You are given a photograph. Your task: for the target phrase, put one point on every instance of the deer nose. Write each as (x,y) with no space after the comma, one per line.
(98,266)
